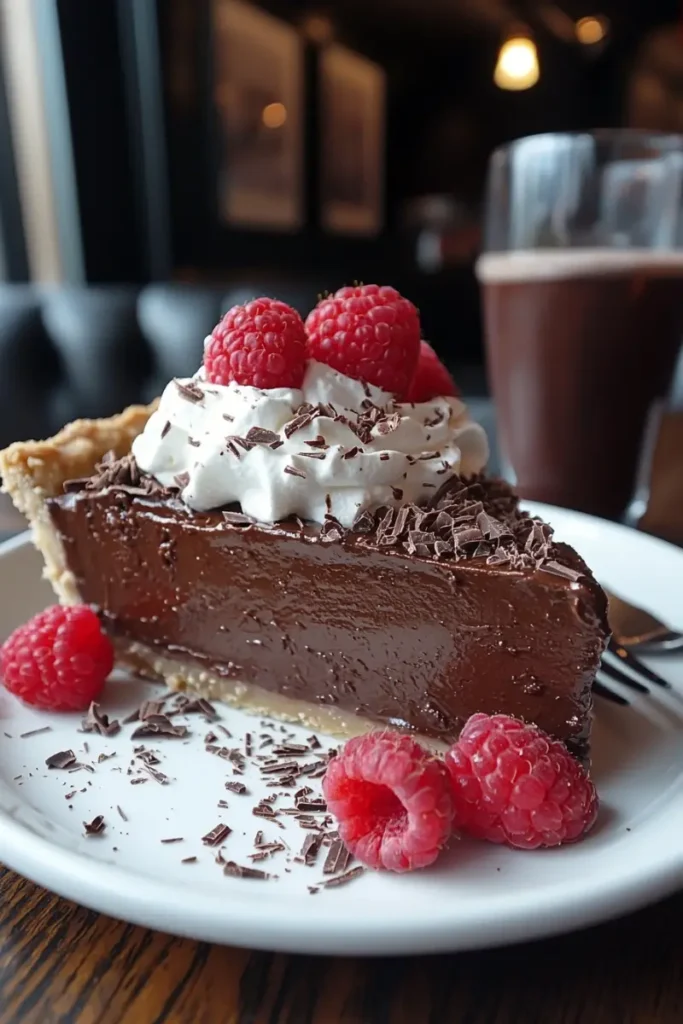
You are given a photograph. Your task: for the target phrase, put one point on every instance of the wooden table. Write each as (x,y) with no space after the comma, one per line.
(61,964)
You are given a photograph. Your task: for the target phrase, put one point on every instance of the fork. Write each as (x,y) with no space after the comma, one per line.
(636,629)
(636,680)
(632,629)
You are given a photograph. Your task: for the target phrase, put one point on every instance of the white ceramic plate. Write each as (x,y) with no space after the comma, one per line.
(477,895)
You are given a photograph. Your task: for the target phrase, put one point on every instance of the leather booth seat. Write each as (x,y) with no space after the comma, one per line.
(71,352)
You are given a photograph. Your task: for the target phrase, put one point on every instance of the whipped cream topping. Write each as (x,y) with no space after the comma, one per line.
(334,446)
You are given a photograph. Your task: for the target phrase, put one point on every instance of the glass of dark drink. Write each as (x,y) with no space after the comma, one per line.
(582,285)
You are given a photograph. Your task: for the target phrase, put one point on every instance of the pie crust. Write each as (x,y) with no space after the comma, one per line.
(33,471)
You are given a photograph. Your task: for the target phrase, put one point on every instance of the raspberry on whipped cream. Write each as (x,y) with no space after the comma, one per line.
(335,446)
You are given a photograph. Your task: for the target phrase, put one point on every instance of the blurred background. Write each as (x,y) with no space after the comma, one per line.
(160,161)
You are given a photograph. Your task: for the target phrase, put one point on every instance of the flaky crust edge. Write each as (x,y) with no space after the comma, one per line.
(33,471)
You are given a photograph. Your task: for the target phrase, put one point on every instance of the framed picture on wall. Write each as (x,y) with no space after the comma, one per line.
(258,93)
(352,113)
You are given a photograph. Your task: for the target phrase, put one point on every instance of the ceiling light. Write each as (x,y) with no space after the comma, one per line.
(517,66)
(591,30)
(274,115)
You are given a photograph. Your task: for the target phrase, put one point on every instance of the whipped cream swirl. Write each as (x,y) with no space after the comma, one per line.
(334,446)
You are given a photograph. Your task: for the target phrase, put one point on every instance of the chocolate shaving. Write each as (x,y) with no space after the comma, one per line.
(194,444)
(299,421)
(312,806)
(174,839)
(217,835)
(191,392)
(310,849)
(317,442)
(199,706)
(238,519)
(337,859)
(556,569)
(95,827)
(35,732)
(234,870)
(389,424)
(331,883)
(99,722)
(293,471)
(165,429)
(236,787)
(260,435)
(156,774)
(159,725)
(121,813)
(62,759)
(189,860)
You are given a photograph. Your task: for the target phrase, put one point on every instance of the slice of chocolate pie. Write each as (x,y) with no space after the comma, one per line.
(324,555)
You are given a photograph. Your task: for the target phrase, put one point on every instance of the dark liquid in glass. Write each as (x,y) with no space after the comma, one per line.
(579,345)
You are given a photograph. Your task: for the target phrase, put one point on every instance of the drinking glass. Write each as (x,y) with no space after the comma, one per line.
(582,287)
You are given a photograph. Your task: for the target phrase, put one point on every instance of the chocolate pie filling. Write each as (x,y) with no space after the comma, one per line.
(417,617)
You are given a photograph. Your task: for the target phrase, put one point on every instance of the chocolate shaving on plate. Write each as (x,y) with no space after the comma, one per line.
(217,834)
(337,859)
(99,722)
(160,725)
(236,787)
(95,827)
(35,732)
(331,883)
(234,870)
(310,849)
(293,471)
(62,759)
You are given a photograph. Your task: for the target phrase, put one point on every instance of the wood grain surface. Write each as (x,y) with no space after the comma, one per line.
(61,964)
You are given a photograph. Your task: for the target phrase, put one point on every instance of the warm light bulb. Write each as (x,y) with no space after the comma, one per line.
(274,115)
(590,30)
(517,66)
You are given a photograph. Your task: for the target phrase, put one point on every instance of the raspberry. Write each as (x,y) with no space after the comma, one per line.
(262,344)
(513,784)
(369,333)
(431,379)
(59,660)
(391,799)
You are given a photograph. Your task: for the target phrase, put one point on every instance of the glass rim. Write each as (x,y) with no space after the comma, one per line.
(659,139)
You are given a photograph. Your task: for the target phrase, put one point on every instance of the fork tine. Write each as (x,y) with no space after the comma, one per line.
(603,691)
(636,664)
(622,677)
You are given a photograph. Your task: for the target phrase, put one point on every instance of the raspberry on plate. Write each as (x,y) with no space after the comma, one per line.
(262,344)
(513,784)
(369,333)
(59,660)
(431,379)
(391,799)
